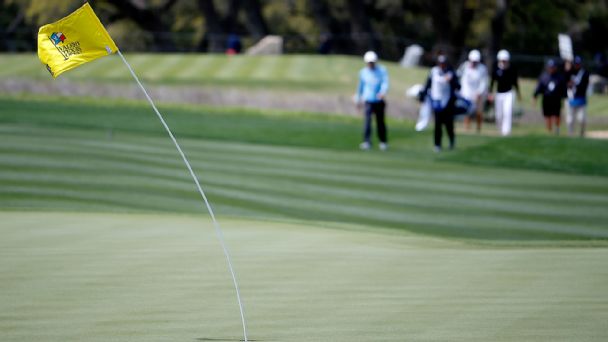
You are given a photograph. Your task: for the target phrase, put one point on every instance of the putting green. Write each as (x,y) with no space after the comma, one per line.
(136,277)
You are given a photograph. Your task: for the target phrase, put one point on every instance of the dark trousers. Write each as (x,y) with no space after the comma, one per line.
(444,118)
(376,108)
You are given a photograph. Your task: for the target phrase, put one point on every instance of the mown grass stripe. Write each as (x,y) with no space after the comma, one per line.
(470,226)
(233,68)
(406,186)
(328,191)
(270,169)
(226,154)
(213,64)
(192,68)
(403,188)
(94,69)
(266,68)
(165,69)
(368,197)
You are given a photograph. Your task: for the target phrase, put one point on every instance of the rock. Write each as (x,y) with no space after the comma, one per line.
(411,56)
(269,45)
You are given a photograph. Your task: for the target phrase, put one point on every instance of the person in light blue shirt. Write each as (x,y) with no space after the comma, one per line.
(371,93)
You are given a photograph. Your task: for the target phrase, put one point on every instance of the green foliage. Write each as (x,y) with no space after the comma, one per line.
(129,36)
(39,13)
(531,26)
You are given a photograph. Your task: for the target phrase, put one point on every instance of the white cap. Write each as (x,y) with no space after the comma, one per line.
(474,56)
(370,57)
(503,55)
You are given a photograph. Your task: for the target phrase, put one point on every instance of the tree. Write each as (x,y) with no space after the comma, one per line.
(218,26)
(256,25)
(148,18)
(361,30)
(498,28)
(452,22)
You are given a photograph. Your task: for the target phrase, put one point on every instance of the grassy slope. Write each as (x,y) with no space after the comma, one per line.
(88,277)
(336,74)
(66,154)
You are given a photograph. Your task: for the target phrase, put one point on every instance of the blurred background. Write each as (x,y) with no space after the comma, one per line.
(528,29)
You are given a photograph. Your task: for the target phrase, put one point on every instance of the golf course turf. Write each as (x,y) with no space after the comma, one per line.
(104,237)
(133,277)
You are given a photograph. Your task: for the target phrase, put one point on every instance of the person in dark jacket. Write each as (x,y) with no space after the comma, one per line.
(578,83)
(505,76)
(441,87)
(552,86)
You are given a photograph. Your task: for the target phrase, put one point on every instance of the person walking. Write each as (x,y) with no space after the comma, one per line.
(371,94)
(504,75)
(474,86)
(441,86)
(578,83)
(552,86)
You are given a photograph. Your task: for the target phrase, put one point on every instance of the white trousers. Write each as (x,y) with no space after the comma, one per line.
(576,114)
(503,110)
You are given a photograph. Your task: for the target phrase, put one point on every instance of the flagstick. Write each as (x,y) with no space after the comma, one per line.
(218,230)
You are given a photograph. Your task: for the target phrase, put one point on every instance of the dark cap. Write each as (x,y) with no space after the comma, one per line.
(551,63)
(578,60)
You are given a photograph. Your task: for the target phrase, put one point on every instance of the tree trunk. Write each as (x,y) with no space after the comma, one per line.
(498,28)
(440,15)
(332,32)
(322,15)
(213,40)
(256,25)
(467,14)
(361,28)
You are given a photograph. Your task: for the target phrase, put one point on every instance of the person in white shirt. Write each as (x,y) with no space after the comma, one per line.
(474,86)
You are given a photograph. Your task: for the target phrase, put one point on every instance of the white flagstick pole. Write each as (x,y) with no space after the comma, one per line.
(218,230)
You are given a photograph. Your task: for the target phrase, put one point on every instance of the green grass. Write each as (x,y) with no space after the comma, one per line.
(576,155)
(281,73)
(110,277)
(104,237)
(63,154)
(289,73)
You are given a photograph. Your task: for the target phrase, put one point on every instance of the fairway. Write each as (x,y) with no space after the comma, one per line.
(105,239)
(125,277)
(287,76)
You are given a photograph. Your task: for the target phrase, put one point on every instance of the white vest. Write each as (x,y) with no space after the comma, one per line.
(440,85)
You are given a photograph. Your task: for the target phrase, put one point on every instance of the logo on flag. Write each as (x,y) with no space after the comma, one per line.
(88,40)
(57,37)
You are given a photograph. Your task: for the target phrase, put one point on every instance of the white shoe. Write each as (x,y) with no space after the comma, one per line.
(365,145)
(383,146)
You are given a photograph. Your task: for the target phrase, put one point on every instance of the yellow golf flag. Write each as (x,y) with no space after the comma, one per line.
(74,40)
